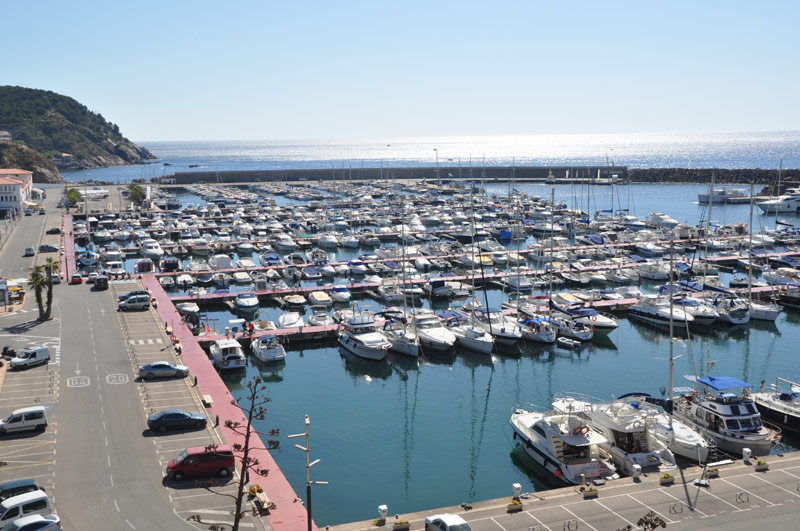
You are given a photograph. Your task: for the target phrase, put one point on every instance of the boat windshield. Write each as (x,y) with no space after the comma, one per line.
(429,324)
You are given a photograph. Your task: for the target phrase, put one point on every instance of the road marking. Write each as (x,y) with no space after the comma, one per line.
(578,517)
(117,378)
(111,478)
(130,524)
(156,341)
(108,458)
(757,476)
(645,505)
(770,504)
(78,381)
(116,505)
(689,505)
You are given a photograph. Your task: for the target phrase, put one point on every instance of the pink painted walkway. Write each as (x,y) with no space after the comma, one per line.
(288,515)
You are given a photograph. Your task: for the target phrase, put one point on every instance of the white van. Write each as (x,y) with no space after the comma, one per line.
(30,357)
(136,302)
(25,419)
(35,502)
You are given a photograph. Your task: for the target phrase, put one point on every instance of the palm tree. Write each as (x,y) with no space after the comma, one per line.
(51,267)
(38,282)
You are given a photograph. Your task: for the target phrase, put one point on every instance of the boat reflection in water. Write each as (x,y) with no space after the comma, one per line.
(365,369)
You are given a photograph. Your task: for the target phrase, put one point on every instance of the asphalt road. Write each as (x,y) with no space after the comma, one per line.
(104,474)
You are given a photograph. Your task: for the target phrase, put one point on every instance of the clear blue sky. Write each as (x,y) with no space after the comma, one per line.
(181,70)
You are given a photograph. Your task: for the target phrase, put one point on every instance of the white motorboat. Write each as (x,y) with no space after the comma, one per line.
(151,249)
(267,349)
(390,293)
(782,275)
(291,320)
(356,267)
(430,331)
(656,310)
(284,243)
(731,420)
(200,248)
(505,330)
(627,438)
(659,219)
(784,204)
(220,261)
(538,329)
(360,337)
(732,309)
(764,311)
(328,241)
(320,298)
(167,282)
(599,323)
(701,311)
(467,335)
(184,281)
(564,445)
(567,328)
(319,316)
(246,302)
(242,277)
(400,336)
(227,354)
(244,247)
(340,294)
(187,308)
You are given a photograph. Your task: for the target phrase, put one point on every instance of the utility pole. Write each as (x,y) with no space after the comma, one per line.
(309,464)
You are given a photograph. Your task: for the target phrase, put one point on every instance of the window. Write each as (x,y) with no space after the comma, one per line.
(38,505)
(732,424)
(540,431)
(16,418)
(36,415)
(11,514)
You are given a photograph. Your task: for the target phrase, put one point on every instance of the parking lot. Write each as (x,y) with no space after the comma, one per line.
(147,341)
(736,500)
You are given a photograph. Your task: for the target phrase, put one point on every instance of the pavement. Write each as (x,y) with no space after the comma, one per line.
(97,460)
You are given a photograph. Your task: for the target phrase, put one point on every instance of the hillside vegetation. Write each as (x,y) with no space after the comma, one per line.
(53,124)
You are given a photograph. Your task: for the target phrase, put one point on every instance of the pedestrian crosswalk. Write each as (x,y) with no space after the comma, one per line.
(156,341)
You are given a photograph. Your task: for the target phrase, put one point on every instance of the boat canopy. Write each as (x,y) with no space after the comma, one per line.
(636,258)
(720,383)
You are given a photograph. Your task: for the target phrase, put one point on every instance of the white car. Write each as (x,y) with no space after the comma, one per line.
(446,522)
(34,522)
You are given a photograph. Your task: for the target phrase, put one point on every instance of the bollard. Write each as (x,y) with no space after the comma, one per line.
(583,481)
(217,424)
(746,453)
(195,382)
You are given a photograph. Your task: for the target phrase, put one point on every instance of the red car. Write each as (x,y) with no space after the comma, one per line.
(76,279)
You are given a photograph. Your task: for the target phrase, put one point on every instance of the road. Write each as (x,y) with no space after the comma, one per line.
(100,469)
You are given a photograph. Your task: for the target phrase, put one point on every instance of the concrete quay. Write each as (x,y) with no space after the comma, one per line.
(740,498)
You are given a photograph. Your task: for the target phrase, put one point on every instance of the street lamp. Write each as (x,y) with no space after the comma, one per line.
(436,150)
(309,464)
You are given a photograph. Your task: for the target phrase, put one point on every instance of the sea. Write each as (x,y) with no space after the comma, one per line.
(416,434)
(728,150)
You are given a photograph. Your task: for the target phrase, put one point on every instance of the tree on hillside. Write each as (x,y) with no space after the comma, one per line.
(137,193)
(38,282)
(253,404)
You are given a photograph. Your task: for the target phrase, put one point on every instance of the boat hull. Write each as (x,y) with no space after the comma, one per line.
(359,350)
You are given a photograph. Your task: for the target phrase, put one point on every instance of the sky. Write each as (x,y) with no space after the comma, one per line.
(181,70)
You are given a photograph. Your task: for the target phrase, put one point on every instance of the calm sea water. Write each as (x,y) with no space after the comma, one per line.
(419,434)
(739,150)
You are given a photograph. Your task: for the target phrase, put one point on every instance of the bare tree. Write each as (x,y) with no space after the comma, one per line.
(253,404)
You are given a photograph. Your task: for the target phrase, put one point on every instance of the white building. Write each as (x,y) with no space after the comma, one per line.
(16,191)
(5,136)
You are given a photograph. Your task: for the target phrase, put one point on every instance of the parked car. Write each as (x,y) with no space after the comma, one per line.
(446,522)
(29,251)
(163,369)
(17,487)
(30,357)
(92,277)
(202,461)
(133,294)
(35,522)
(30,503)
(76,278)
(41,211)
(139,302)
(101,282)
(25,419)
(47,248)
(54,230)
(28,211)
(175,419)
(55,278)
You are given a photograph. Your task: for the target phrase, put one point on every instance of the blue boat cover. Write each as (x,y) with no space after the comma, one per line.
(719,383)
(596,239)
(637,258)
(683,267)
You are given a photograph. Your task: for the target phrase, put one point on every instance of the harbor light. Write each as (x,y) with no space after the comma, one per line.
(309,464)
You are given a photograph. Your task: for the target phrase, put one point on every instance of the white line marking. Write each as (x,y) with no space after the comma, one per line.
(645,505)
(615,513)
(538,521)
(757,476)
(116,505)
(689,505)
(106,441)
(130,524)
(112,480)
(770,504)
(723,501)
(578,518)
(108,458)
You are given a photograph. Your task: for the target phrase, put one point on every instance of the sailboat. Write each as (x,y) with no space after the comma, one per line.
(764,311)
(401,336)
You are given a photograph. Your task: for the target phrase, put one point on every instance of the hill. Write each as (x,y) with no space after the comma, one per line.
(18,156)
(53,124)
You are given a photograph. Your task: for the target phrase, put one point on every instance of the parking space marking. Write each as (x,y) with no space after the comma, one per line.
(691,507)
(578,517)
(758,476)
(720,499)
(750,493)
(667,520)
(148,341)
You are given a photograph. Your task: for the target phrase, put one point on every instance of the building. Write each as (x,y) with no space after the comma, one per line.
(5,136)
(16,192)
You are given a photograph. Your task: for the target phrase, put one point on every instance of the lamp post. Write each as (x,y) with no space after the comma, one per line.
(436,150)
(309,464)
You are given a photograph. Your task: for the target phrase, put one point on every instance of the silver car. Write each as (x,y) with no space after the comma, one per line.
(163,369)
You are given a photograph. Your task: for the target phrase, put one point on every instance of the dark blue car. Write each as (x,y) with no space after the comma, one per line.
(176,419)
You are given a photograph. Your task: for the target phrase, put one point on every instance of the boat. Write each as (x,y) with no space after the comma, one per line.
(220,261)
(319,316)
(340,294)
(400,336)
(732,420)
(244,247)
(320,298)
(632,446)
(468,335)
(659,219)
(227,354)
(564,445)
(170,264)
(787,203)
(723,195)
(360,337)
(88,258)
(167,282)
(187,308)
(184,280)
(781,404)
(284,243)
(390,293)
(291,320)
(568,343)
(143,265)
(430,331)
(505,330)
(246,302)
(151,249)
(539,329)
(200,248)
(655,309)
(295,300)
(599,323)
(267,349)
(732,309)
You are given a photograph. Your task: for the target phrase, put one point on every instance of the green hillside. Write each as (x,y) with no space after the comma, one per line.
(53,124)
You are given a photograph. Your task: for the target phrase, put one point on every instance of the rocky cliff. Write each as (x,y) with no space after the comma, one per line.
(18,156)
(53,124)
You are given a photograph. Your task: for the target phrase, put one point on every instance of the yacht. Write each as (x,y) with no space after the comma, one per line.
(227,354)
(430,331)
(360,337)
(783,204)
(220,261)
(626,435)
(564,445)
(467,334)
(505,330)
(246,302)
(151,249)
(538,329)
(732,309)
(319,316)
(781,404)
(400,335)
(655,310)
(340,294)
(600,324)
(291,320)
(284,243)
(659,219)
(267,349)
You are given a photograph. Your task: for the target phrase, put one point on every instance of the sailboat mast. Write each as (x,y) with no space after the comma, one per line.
(750,251)
(671,320)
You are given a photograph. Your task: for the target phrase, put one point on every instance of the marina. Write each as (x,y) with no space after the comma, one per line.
(607,276)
